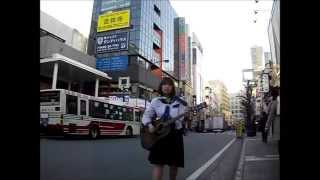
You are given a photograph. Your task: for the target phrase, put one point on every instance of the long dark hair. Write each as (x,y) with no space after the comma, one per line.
(168,81)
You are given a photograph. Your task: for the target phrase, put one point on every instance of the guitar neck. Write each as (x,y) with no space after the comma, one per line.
(198,107)
(172,120)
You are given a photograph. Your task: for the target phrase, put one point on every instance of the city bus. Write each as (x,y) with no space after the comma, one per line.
(71,113)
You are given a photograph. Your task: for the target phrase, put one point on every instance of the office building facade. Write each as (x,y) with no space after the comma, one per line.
(223,98)
(182,57)
(257,58)
(61,32)
(197,60)
(134,38)
(274,32)
(236,107)
(58,38)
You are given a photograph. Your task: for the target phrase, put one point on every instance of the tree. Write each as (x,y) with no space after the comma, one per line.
(247,109)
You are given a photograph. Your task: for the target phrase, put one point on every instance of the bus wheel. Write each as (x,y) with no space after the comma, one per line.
(129,132)
(94,132)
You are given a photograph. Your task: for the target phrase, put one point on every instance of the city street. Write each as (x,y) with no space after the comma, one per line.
(119,158)
(110,67)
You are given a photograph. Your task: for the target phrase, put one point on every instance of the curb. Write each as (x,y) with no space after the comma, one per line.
(240,169)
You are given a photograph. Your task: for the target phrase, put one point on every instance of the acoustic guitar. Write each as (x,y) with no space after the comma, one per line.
(162,128)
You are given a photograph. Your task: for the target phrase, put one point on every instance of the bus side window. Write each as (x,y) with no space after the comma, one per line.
(117,113)
(91,108)
(137,116)
(124,114)
(127,114)
(97,109)
(108,111)
(130,114)
(83,107)
(72,104)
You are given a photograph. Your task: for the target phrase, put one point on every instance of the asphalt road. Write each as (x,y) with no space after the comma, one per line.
(118,158)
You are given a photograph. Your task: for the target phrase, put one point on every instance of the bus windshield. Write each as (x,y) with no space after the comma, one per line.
(50,98)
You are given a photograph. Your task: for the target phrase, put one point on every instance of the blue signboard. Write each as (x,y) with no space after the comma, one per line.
(112,42)
(116,63)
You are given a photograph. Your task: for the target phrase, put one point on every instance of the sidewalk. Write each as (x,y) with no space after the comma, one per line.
(259,161)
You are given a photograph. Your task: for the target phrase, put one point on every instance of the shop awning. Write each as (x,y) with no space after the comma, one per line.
(70,70)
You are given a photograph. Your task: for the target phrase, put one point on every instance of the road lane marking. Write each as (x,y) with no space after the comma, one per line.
(253,139)
(199,171)
(255,158)
(272,155)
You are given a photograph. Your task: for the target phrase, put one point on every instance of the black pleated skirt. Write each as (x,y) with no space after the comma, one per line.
(168,150)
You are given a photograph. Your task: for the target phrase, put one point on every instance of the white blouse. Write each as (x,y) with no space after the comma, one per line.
(158,108)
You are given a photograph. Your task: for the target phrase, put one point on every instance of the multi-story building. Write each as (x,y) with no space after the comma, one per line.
(62,32)
(267,57)
(182,57)
(257,64)
(256,57)
(274,32)
(236,107)
(134,38)
(211,98)
(197,60)
(222,97)
(64,63)
(274,40)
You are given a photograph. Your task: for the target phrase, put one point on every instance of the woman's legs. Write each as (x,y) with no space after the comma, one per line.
(173,172)
(157,172)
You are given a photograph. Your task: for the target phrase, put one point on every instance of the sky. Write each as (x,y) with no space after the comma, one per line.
(225,29)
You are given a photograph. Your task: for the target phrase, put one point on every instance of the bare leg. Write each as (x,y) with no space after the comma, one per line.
(157,172)
(173,172)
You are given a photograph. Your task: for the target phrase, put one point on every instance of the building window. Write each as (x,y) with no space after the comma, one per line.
(156,9)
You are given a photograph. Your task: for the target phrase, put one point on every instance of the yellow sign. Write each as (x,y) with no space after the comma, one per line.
(113,20)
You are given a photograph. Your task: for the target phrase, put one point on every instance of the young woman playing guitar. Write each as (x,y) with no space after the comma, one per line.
(168,150)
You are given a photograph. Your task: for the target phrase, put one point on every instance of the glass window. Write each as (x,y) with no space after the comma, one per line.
(50,98)
(127,114)
(71,104)
(83,107)
(96,109)
(137,116)
(157,10)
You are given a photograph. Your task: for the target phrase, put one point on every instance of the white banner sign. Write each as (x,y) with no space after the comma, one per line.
(134,102)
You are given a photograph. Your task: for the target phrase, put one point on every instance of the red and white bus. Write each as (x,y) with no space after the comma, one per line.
(72,113)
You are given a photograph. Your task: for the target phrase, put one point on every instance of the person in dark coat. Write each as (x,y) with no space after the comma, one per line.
(263,121)
(274,116)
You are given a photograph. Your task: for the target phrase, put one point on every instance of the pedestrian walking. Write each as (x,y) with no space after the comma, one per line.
(184,125)
(263,121)
(169,150)
(273,118)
